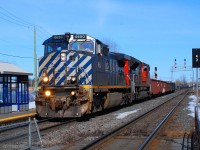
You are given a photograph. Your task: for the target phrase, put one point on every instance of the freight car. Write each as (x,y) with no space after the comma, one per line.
(159,87)
(79,75)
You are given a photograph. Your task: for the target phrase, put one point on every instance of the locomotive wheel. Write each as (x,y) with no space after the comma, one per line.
(130,100)
(38,117)
(96,108)
(93,110)
(127,100)
(133,98)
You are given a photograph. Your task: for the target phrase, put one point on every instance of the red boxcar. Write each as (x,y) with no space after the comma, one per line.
(158,87)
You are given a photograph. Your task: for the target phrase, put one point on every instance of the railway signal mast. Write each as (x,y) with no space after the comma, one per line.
(196,64)
(184,67)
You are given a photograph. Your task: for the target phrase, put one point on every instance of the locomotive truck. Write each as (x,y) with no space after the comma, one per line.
(79,75)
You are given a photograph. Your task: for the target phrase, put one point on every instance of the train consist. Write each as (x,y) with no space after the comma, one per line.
(79,75)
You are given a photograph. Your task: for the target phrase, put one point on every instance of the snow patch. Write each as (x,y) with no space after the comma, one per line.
(125,114)
(192,104)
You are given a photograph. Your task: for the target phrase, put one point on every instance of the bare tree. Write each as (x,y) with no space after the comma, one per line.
(183,79)
(178,82)
(181,82)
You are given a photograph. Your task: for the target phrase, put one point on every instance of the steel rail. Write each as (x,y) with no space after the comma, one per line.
(26,134)
(19,125)
(112,133)
(160,125)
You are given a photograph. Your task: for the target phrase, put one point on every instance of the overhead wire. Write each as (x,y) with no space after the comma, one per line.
(14,22)
(6,15)
(15,56)
(10,17)
(43,36)
(43,29)
(14,17)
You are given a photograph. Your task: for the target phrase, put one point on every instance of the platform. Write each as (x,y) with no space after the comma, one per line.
(14,116)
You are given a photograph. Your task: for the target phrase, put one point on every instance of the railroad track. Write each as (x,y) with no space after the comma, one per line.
(141,131)
(19,132)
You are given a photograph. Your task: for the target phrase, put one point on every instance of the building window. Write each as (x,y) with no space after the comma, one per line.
(1,79)
(14,93)
(13,79)
(1,93)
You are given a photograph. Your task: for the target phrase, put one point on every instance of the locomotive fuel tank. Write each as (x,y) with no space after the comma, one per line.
(113,99)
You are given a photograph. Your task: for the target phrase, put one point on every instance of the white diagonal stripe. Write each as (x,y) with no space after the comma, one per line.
(46,61)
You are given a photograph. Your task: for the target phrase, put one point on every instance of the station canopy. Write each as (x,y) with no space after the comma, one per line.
(8,68)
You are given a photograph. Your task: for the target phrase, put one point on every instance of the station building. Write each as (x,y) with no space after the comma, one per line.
(14,93)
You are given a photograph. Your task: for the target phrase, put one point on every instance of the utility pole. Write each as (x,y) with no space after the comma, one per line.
(197,86)
(35,63)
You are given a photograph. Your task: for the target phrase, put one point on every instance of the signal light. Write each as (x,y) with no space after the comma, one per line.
(156,75)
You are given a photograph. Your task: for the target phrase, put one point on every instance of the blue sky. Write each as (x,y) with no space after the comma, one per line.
(156,32)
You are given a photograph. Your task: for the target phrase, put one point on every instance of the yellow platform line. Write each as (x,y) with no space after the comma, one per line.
(17,117)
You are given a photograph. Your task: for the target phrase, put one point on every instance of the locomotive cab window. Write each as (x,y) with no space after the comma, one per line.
(82,46)
(50,47)
(145,68)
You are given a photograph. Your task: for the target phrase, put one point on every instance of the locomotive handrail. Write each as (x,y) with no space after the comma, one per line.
(128,77)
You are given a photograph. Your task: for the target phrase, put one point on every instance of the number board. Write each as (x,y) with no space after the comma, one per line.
(58,37)
(196,57)
(80,36)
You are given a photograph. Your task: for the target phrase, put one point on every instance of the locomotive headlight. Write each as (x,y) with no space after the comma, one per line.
(47,93)
(63,56)
(73,79)
(73,93)
(45,79)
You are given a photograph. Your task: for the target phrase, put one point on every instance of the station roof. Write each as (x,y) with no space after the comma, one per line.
(12,69)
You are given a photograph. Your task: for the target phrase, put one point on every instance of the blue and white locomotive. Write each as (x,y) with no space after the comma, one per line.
(78,75)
